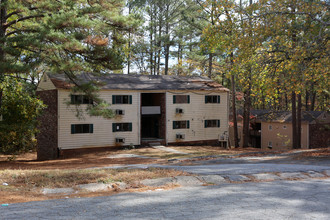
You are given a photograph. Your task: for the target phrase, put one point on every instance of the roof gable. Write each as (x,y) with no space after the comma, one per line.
(45,83)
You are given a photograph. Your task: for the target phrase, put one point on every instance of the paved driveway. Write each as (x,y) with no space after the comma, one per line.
(271,200)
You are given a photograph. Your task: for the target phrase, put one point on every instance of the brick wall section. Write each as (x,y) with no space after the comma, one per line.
(319,135)
(47,147)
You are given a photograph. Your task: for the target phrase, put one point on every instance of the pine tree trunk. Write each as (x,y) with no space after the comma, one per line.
(313,101)
(129,46)
(159,44)
(234,111)
(306,100)
(294,121)
(167,43)
(179,60)
(286,101)
(151,46)
(234,104)
(299,121)
(3,20)
(246,118)
(210,65)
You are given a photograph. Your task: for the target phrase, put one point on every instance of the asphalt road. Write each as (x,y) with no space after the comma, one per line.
(308,199)
(221,169)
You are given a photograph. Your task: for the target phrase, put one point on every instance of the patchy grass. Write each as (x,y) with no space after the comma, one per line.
(68,178)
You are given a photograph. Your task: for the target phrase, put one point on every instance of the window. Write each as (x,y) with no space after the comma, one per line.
(117,127)
(211,123)
(212,99)
(121,99)
(181,99)
(270,127)
(81,128)
(81,99)
(180,124)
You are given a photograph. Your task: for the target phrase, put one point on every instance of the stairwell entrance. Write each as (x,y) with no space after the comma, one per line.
(153,120)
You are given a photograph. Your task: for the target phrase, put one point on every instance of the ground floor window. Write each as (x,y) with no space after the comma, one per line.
(81,128)
(212,123)
(180,124)
(117,127)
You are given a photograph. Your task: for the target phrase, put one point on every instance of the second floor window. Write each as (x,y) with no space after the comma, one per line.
(81,99)
(181,99)
(121,99)
(212,99)
(212,123)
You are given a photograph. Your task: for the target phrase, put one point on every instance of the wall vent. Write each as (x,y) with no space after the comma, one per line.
(179,111)
(120,140)
(120,112)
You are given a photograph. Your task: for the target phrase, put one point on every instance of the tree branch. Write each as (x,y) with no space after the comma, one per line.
(22,19)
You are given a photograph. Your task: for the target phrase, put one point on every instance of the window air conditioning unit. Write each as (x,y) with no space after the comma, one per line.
(120,140)
(179,111)
(120,112)
(180,136)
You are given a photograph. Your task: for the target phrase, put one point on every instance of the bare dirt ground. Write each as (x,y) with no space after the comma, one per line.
(87,158)
(25,189)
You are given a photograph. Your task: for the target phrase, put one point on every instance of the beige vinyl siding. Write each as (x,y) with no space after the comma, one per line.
(196,112)
(102,133)
(280,136)
(45,84)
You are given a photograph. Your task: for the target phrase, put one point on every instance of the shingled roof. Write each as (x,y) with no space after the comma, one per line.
(284,116)
(141,82)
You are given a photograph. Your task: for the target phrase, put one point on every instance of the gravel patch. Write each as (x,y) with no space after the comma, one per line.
(314,174)
(157,182)
(265,176)
(213,179)
(94,187)
(296,175)
(188,181)
(57,190)
(237,178)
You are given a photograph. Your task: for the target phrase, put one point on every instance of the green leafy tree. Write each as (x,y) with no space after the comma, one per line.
(19,117)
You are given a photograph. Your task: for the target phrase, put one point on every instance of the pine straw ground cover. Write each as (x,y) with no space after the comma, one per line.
(26,185)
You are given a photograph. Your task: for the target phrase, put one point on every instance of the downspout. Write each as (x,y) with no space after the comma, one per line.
(58,123)
(228,109)
(307,136)
(139,112)
(166,112)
